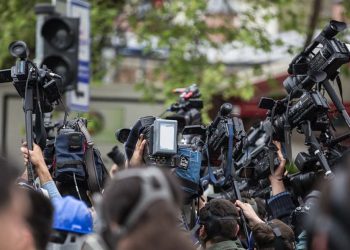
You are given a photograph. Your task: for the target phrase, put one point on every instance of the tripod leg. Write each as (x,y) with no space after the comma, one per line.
(335,99)
(28,110)
(311,140)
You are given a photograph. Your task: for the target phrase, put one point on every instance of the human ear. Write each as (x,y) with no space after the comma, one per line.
(202,233)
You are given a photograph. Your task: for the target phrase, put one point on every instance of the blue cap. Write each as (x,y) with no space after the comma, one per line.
(72,215)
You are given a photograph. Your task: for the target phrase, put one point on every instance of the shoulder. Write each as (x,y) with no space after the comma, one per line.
(226,245)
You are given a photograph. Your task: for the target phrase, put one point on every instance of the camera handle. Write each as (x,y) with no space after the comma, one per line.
(311,140)
(28,112)
(335,99)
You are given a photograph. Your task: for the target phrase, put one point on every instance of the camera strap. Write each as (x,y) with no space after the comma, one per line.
(340,87)
(89,159)
(211,177)
(228,172)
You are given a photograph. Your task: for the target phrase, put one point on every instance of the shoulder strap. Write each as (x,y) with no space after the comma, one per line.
(93,183)
(228,172)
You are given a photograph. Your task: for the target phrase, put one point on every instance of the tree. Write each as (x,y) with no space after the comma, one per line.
(181,26)
(17,20)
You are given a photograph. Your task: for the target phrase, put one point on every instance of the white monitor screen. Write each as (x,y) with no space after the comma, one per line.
(167,136)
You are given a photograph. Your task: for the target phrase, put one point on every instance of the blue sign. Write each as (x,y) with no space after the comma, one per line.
(79,100)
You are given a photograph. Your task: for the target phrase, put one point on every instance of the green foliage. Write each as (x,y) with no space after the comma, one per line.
(181,26)
(17,20)
(103,14)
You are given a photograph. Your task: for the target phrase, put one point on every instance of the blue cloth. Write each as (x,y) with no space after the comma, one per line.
(281,206)
(51,188)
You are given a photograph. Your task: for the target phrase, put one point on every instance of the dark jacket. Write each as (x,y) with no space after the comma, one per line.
(226,245)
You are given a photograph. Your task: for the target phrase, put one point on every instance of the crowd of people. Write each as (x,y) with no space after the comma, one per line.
(141,208)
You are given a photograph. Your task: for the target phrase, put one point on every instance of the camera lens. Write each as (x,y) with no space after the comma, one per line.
(289,83)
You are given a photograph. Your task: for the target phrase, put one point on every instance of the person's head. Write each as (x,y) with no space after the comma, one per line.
(72,221)
(219,221)
(329,225)
(39,218)
(273,235)
(140,208)
(14,208)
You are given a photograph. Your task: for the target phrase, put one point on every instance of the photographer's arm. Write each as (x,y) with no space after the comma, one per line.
(249,213)
(37,159)
(276,179)
(280,203)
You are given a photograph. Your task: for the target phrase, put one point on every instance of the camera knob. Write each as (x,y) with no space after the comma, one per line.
(226,109)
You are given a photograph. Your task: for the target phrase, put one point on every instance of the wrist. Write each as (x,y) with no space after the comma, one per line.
(41,165)
(43,173)
(254,221)
(276,178)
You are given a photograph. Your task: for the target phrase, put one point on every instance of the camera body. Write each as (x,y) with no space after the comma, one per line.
(161,136)
(311,106)
(325,54)
(218,134)
(25,71)
(187,110)
(254,163)
(298,218)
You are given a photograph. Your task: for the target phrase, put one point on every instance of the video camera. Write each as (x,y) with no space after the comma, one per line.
(187,110)
(310,71)
(161,136)
(311,106)
(25,75)
(258,153)
(306,109)
(38,88)
(324,55)
(218,133)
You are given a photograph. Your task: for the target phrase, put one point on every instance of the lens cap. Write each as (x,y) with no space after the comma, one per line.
(122,134)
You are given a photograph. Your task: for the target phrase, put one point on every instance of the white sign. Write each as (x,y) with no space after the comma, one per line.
(79,100)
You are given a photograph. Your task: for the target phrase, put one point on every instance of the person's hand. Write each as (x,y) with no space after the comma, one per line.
(275,178)
(137,157)
(248,212)
(36,155)
(279,171)
(113,170)
(37,159)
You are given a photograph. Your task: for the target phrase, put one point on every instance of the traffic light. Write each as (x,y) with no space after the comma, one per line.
(60,48)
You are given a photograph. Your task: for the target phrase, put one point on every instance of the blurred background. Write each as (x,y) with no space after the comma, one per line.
(133,53)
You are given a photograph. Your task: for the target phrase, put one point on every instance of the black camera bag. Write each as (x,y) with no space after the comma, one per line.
(76,159)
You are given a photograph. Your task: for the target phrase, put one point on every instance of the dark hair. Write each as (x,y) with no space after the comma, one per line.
(40,218)
(158,228)
(265,238)
(219,230)
(8,175)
